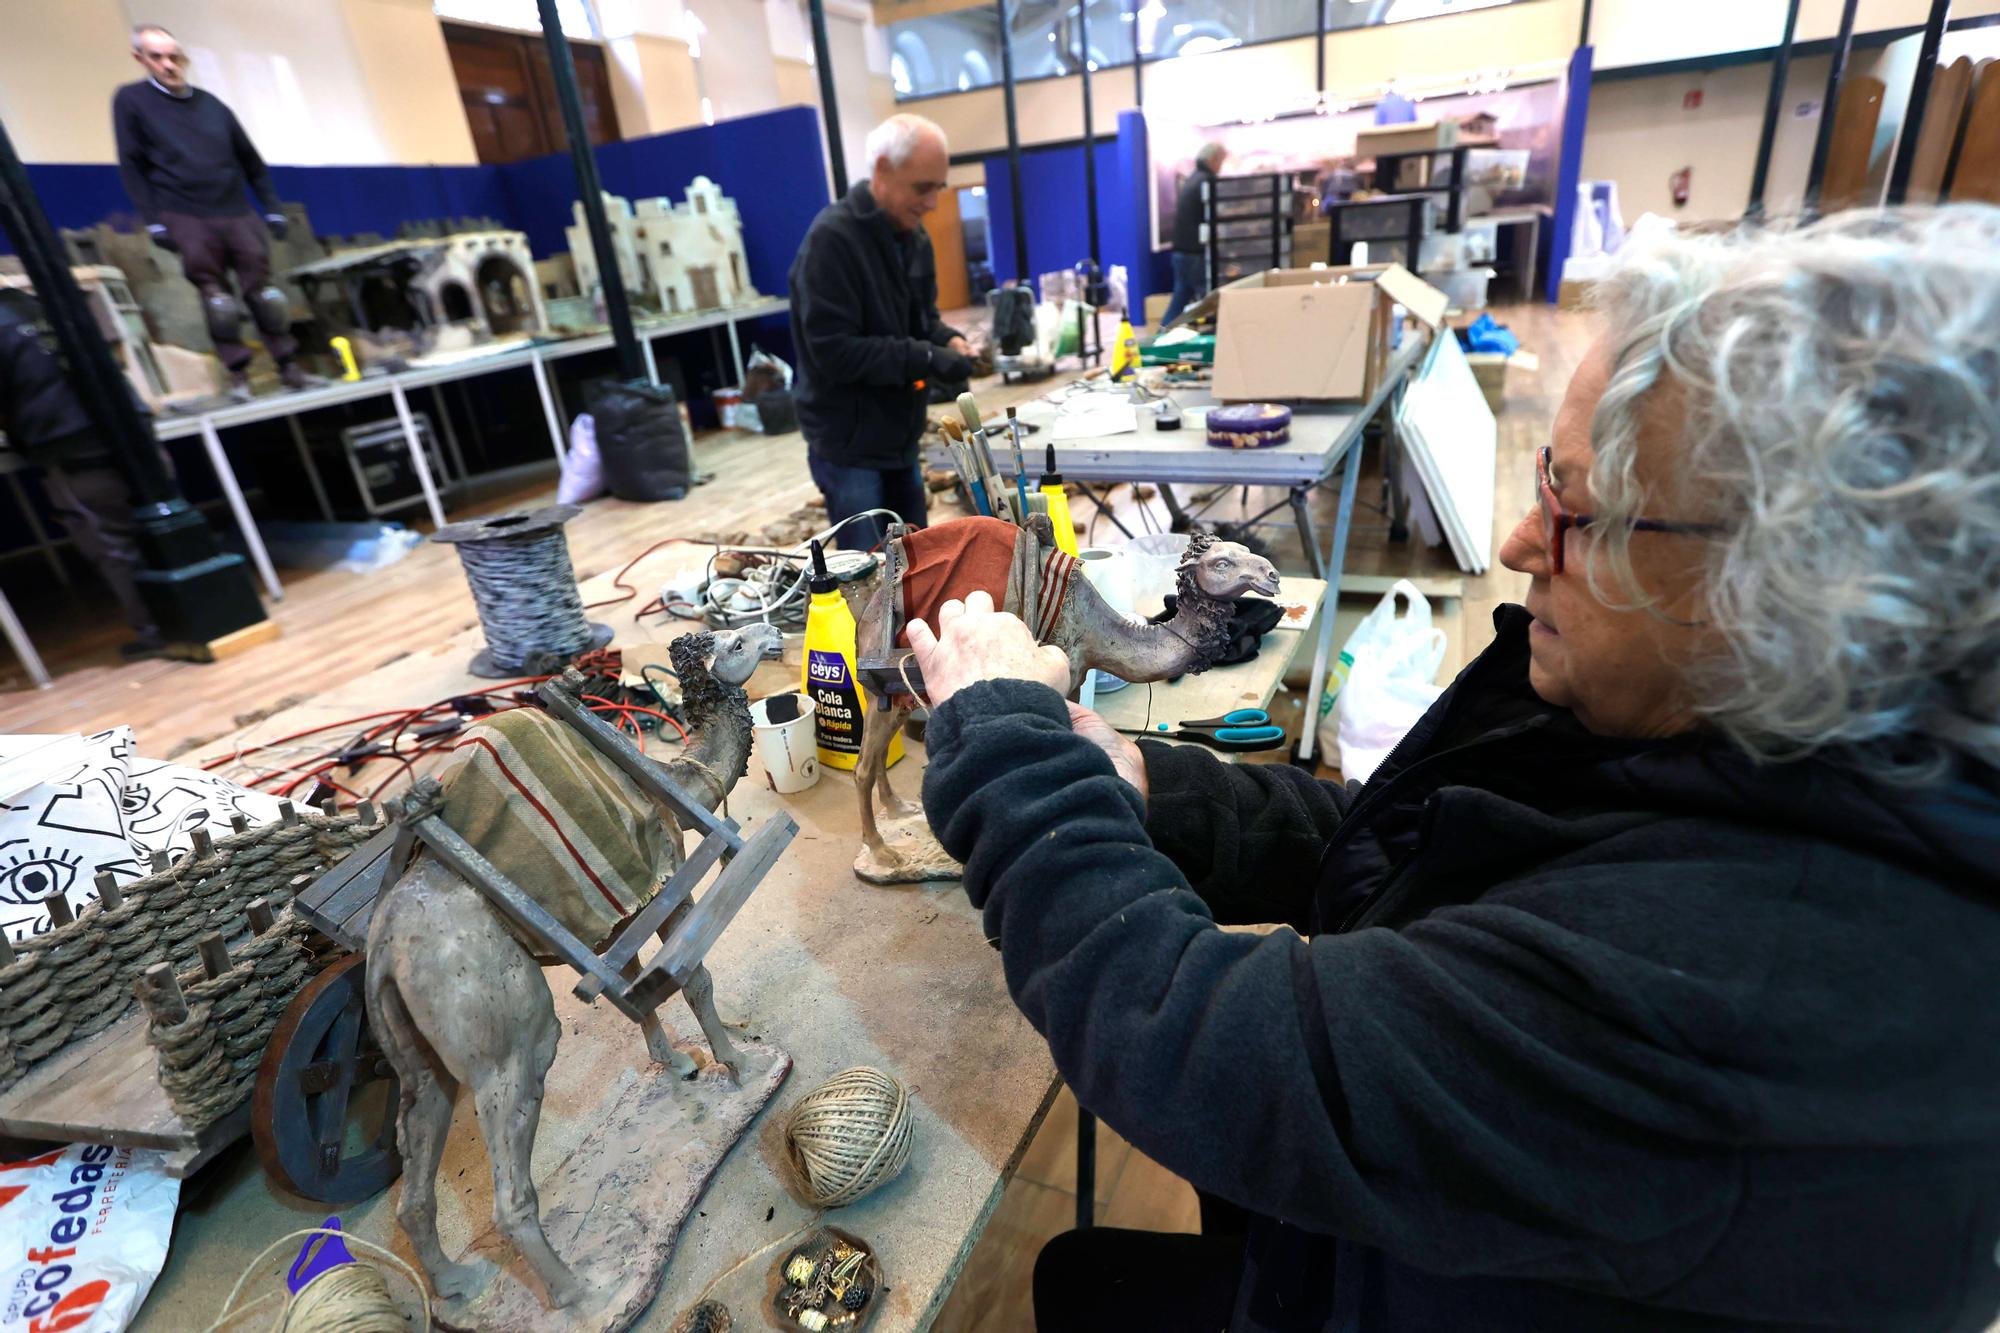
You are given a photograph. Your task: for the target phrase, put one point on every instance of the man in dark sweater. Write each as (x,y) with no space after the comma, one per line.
(1190,241)
(44,423)
(188,167)
(869,338)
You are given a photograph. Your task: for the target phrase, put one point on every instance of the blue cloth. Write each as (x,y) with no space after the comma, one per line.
(1190,285)
(851,490)
(1484,335)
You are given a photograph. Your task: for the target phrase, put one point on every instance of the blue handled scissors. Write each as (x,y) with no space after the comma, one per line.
(1241,730)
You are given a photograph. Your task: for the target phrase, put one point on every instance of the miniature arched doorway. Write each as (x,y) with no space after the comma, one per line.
(455,301)
(504,290)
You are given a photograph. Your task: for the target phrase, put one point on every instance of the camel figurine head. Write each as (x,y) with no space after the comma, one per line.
(1223,571)
(735,653)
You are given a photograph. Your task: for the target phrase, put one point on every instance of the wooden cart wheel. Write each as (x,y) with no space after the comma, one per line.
(319,1056)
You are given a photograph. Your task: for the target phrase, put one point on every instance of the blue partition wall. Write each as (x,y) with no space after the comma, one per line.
(770,164)
(1058,234)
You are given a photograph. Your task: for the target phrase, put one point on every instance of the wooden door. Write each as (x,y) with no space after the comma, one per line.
(947,232)
(509,96)
(1853,147)
(1944,122)
(1976,175)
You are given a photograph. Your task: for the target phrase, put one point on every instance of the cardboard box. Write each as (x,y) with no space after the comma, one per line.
(1412,138)
(1574,294)
(1314,334)
(1490,369)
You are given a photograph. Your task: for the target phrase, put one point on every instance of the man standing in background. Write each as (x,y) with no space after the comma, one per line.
(869,338)
(188,167)
(1190,248)
(46,424)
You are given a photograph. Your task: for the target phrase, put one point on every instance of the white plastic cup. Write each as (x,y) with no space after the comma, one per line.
(788,750)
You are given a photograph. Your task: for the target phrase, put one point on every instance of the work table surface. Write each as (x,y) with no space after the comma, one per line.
(836,972)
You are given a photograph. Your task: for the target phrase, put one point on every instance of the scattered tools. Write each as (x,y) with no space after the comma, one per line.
(1240,731)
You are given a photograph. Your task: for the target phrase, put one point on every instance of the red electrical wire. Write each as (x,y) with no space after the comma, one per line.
(618,580)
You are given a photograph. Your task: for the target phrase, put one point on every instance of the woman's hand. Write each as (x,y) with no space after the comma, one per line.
(1126,758)
(974,642)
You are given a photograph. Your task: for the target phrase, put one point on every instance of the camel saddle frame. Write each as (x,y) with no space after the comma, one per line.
(342,902)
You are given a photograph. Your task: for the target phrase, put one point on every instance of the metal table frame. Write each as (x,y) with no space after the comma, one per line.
(536,355)
(1300,468)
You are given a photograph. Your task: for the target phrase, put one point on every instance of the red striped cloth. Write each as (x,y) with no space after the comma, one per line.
(958,558)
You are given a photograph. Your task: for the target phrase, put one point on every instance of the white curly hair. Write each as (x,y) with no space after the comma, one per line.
(1839,415)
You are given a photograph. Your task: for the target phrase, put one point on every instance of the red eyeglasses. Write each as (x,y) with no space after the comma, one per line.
(1557,521)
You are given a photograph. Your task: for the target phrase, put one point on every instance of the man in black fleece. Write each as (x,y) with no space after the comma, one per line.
(188,165)
(1648,983)
(869,338)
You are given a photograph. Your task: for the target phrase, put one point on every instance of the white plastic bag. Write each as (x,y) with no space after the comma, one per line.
(84,1230)
(1383,681)
(583,468)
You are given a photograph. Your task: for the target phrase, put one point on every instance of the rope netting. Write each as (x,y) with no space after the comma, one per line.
(78,978)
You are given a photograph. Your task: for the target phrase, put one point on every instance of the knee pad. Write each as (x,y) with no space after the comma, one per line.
(272,310)
(225,317)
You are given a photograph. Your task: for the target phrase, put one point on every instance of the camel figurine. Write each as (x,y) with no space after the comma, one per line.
(455,997)
(1211,577)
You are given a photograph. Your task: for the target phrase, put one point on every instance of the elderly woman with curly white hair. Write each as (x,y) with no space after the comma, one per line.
(1651,982)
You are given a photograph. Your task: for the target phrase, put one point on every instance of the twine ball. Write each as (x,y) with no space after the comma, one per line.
(849,1135)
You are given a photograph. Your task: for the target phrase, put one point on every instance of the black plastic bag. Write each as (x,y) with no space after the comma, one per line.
(640,438)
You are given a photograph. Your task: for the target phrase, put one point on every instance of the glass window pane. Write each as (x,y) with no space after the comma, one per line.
(954,52)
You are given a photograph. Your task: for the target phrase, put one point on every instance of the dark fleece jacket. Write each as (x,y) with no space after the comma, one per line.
(866,327)
(1577,1033)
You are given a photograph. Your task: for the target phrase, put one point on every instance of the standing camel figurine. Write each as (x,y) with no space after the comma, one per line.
(1028,575)
(455,996)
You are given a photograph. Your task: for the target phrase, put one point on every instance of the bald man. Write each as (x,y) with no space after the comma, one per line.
(190,168)
(869,339)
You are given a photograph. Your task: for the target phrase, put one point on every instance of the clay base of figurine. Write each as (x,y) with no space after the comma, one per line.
(912,854)
(614,1207)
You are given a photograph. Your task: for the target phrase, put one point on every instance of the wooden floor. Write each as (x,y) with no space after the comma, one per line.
(338,626)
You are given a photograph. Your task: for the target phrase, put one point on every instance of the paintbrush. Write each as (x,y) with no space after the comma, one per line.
(1020,467)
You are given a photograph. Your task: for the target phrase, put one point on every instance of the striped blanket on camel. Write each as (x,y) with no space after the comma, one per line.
(558,819)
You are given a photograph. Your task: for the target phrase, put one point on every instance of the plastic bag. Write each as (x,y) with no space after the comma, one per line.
(1382,682)
(639,438)
(764,373)
(583,468)
(85,1229)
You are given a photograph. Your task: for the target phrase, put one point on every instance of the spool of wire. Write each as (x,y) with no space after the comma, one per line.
(525,589)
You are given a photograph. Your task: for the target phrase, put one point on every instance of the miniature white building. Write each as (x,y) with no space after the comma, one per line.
(676,257)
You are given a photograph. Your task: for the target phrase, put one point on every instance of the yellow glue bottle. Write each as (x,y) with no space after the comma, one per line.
(1059,519)
(830,680)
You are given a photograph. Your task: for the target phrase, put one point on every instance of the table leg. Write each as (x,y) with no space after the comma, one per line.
(312,468)
(548,406)
(652,366)
(450,433)
(1350,477)
(41,533)
(417,454)
(1103,507)
(18,637)
(233,492)
(1086,1170)
(1173,503)
(1309,533)
(735,350)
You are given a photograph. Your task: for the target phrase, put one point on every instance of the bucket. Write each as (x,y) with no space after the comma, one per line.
(782,726)
(726,402)
(1109,572)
